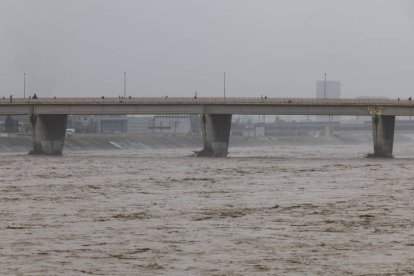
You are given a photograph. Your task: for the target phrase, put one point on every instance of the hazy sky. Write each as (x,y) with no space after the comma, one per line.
(174,47)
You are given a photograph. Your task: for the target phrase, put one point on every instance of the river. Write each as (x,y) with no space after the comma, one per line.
(281,210)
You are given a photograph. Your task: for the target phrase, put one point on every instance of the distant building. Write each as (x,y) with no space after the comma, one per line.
(163,124)
(171,124)
(325,90)
(113,125)
(330,89)
(83,123)
(139,124)
(15,124)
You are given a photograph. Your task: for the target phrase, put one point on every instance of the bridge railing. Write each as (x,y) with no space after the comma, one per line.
(206,100)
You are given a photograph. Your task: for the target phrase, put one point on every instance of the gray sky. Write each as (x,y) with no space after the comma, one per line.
(271,47)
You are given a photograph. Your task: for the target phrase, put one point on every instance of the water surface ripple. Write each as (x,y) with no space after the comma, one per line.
(262,211)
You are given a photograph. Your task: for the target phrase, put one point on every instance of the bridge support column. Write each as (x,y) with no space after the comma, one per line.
(48,133)
(383,135)
(215,129)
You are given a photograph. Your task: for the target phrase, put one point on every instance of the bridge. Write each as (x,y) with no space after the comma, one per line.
(48,116)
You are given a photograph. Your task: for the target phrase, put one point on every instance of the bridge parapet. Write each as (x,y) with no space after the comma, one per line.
(205,100)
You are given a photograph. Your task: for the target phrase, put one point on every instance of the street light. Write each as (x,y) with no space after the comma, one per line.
(24,85)
(124,84)
(224,84)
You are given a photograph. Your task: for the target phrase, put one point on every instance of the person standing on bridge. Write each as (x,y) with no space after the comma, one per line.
(34,96)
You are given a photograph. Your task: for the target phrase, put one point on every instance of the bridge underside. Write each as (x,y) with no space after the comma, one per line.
(48,134)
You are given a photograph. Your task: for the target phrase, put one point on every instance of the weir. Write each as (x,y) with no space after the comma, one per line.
(215,129)
(48,133)
(383,135)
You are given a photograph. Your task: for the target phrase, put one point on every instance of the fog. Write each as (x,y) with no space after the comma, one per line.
(274,48)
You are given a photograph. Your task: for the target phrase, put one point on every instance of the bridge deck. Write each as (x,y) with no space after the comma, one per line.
(175,105)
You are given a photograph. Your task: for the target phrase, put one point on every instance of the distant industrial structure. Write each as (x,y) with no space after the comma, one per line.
(158,124)
(190,125)
(171,124)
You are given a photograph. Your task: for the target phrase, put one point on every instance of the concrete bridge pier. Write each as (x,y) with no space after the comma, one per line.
(383,135)
(216,134)
(48,133)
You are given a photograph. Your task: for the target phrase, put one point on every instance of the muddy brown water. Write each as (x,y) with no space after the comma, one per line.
(262,211)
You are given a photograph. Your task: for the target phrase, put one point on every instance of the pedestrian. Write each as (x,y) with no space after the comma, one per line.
(11,98)
(409,98)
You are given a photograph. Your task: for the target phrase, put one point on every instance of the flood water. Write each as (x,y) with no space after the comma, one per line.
(261,211)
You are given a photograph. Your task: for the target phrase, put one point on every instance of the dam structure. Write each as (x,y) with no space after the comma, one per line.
(48,116)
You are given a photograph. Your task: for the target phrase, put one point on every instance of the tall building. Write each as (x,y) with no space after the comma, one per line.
(328,89)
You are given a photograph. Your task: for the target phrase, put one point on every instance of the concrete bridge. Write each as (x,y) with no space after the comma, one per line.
(48,116)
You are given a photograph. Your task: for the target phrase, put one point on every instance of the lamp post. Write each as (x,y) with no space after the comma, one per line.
(124,84)
(24,85)
(224,79)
